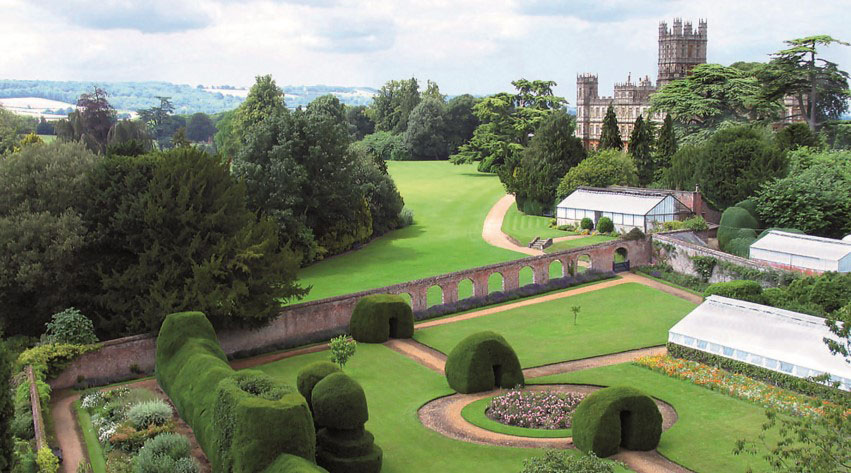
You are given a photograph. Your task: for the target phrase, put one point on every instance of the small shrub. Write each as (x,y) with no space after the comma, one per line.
(586,224)
(47,461)
(22,425)
(70,326)
(745,290)
(149,413)
(560,461)
(605,225)
(703,266)
(342,349)
(696,224)
(566,228)
(634,234)
(406,217)
(166,453)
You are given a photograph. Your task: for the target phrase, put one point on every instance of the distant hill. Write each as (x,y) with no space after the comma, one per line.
(131,96)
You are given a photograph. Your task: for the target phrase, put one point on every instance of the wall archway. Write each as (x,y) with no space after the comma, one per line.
(434,296)
(584,263)
(557,270)
(526,276)
(496,283)
(465,289)
(407,297)
(621,255)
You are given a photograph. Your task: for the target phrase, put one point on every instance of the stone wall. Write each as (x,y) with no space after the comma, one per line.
(320,320)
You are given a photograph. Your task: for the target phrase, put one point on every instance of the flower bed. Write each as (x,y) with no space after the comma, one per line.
(735,385)
(126,421)
(534,409)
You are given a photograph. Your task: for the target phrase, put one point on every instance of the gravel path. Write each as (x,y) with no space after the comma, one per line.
(67,433)
(492,229)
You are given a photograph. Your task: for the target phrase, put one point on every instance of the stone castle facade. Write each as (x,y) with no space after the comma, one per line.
(681,48)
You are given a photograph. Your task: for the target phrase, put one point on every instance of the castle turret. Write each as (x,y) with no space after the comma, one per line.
(681,48)
(586,93)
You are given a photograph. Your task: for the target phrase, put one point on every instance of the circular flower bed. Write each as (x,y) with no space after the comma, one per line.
(534,409)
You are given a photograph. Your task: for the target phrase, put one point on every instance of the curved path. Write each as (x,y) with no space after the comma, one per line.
(492,229)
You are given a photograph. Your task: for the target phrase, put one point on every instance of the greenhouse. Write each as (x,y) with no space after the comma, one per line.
(802,252)
(774,339)
(628,209)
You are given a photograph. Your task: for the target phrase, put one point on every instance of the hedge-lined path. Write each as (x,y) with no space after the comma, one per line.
(492,229)
(67,432)
(443,415)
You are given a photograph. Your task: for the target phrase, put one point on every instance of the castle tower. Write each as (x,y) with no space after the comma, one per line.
(680,49)
(586,94)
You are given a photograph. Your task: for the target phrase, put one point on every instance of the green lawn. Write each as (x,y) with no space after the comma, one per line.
(709,422)
(570,244)
(396,388)
(611,320)
(524,228)
(449,204)
(95,452)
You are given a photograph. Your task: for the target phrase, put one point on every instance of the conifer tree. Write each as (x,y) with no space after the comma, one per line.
(640,147)
(610,136)
(666,145)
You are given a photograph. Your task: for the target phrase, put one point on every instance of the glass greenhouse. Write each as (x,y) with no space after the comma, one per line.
(775,339)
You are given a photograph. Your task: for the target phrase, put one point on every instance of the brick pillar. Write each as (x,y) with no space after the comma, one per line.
(419,298)
(510,279)
(480,284)
(450,292)
(541,272)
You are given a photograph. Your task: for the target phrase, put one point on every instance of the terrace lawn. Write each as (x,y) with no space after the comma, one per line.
(449,203)
(709,422)
(524,228)
(611,320)
(396,388)
(569,244)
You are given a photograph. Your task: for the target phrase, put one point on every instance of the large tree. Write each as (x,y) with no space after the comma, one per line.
(461,122)
(602,169)
(552,152)
(666,143)
(360,124)
(641,149)
(265,99)
(818,86)
(91,122)
(393,104)
(200,127)
(712,94)
(7,410)
(610,135)
(161,122)
(426,133)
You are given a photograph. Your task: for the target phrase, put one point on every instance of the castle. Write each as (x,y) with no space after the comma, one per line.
(681,48)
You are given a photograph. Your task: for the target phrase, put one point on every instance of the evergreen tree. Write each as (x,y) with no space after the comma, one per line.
(640,147)
(6,410)
(610,136)
(666,145)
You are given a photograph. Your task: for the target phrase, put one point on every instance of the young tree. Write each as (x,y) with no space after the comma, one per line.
(610,135)
(819,87)
(575,309)
(641,149)
(342,349)
(70,326)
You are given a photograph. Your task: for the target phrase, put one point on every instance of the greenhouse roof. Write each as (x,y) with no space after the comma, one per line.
(768,332)
(804,245)
(613,200)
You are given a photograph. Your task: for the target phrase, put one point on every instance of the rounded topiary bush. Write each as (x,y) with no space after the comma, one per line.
(732,220)
(311,374)
(482,361)
(605,225)
(378,317)
(586,224)
(339,402)
(616,417)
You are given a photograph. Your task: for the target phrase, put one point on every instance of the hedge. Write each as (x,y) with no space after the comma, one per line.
(243,420)
(742,289)
(378,316)
(781,380)
(616,417)
(471,365)
(732,220)
(312,374)
(339,402)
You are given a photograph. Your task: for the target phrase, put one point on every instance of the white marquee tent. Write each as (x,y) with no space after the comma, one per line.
(791,250)
(775,339)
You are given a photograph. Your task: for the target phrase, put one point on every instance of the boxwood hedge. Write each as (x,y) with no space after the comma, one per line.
(378,317)
(482,361)
(312,374)
(614,417)
(244,421)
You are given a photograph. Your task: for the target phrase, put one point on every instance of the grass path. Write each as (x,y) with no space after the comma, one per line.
(449,203)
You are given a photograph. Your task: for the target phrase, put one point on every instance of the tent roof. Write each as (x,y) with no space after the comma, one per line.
(766,331)
(804,245)
(614,200)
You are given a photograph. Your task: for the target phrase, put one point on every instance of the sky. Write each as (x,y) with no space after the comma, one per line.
(466,46)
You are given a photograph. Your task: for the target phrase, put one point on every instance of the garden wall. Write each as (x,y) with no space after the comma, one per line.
(678,254)
(317,321)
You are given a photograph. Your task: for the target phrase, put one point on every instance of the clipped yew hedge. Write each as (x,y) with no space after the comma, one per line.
(245,421)
(312,374)
(616,417)
(375,314)
(476,362)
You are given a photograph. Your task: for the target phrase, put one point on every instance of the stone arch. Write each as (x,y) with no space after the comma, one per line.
(465,289)
(557,269)
(621,255)
(496,282)
(407,297)
(526,276)
(584,263)
(434,296)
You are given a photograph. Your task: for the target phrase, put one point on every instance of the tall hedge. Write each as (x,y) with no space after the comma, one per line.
(744,290)
(312,374)
(732,220)
(473,364)
(377,316)
(616,417)
(244,421)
